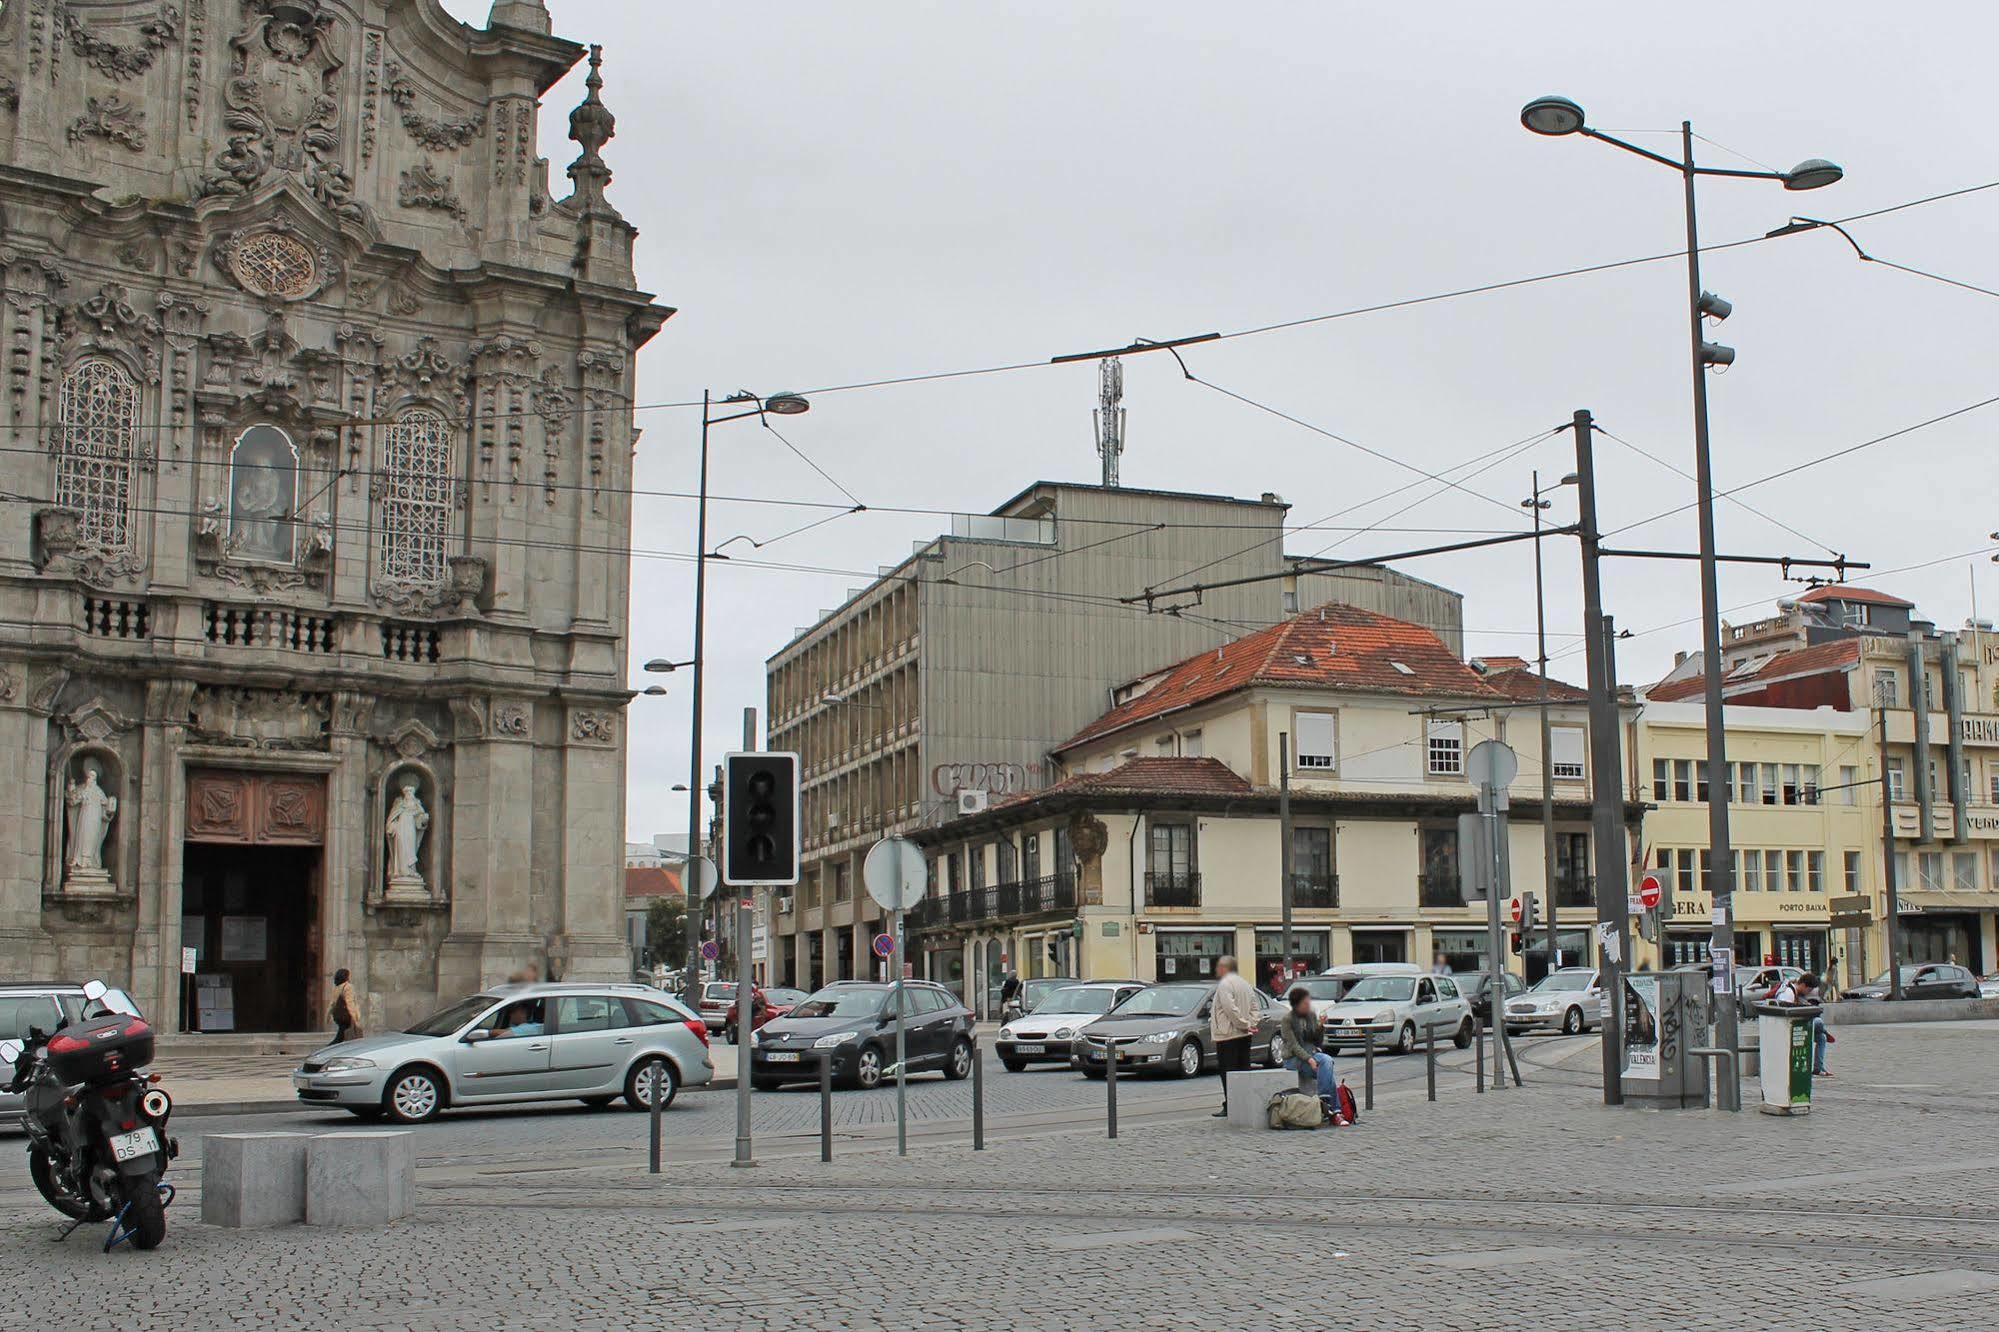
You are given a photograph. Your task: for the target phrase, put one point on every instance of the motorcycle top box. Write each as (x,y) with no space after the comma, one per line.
(105,1049)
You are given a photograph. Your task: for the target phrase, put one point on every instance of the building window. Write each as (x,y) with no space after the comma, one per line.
(1849,784)
(1749,875)
(1030,856)
(263,496)
(417,498)
(1894,779)
(1565,752)
(1793,787)
(1318,741)
(1313,883)
(1929,865)
(1814,871)
(1439,884)
(1572,878)
(1683,779)
(1771,787)
(1661,782)
(1290,601)
(1446,748)
(99,412)
(1852,872)
(1887,690)
(1994,867)
(1964,871)
(842,891)
(1163,746)
(976,856)
(1186,955)
(1773,871)
(1003,852)
(1190,745)
(1170,878)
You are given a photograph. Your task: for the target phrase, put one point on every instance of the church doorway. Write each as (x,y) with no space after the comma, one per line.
(251,877)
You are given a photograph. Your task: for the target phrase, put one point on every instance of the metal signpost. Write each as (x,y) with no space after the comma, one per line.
(701,881)
(1493,765)
(896,876)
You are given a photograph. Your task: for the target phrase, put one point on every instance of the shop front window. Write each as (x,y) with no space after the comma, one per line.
(1183,955)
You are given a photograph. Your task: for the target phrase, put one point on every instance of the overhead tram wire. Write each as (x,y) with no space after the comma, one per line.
(1735,500)
(1421,500)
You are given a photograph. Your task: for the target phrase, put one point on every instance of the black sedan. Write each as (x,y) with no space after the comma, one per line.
(1474,984)
(1926,980)
(853,1024)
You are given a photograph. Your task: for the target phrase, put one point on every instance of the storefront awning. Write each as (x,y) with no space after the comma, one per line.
(1949,902)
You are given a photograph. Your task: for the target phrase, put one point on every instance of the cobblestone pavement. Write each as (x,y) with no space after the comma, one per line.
(1533,1207)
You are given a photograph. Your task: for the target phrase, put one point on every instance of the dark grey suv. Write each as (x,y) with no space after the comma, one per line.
(853,1024)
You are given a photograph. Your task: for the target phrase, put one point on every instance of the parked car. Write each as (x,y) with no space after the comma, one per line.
(1570,1000)
(770,1003)
(1755,985)
(44,1006)
(1474,984)
(1048,1034)
(1988,986)
(716,997)
(546,1041)
(1399,1011)
(1164,1029)
(1925,980)
(1346,977)
(1031,994)
(854,1023)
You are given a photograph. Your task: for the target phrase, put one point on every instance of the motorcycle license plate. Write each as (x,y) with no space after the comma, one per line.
(1030,1049)
(782,1056)
(131,1146)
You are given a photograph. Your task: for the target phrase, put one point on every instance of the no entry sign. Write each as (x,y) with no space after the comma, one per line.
(1649,891)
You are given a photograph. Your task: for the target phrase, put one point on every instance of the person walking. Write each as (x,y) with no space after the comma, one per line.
(1301,1037)
(1236,1012)
(345,1009)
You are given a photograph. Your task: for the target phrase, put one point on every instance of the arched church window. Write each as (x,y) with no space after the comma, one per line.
(416,497)
(263,496)
(99,412)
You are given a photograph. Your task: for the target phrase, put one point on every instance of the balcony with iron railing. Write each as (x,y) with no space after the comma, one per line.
(1439,889)
(1053,894)
(1173,888)
(1315,890)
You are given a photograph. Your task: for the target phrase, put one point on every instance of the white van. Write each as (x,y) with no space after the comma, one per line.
(1331,985)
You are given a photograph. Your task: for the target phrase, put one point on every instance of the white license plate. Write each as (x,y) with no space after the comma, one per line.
(1030,1049)
(131,1146)
(782,1056)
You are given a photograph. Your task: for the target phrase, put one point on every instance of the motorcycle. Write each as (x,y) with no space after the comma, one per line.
(96,1125)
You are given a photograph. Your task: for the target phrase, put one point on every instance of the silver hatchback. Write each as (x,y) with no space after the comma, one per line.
(549,1041)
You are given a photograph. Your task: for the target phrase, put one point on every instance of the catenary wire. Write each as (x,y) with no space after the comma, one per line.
(1739,503)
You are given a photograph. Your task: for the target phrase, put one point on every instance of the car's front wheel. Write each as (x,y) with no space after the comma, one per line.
(1190,1059)
(1270,1055)
(1572,1021)
(650,1077)
(959,1066)
(868,1068)
(413,1096)
(1405,1041)
(1463,1038)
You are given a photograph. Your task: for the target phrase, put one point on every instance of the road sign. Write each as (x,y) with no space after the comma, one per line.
(710,949)
(1514,908)
(884,945)
(701,874)
(895,873)
(1856,902)
(1648,891)
(1492,763)
(188,961)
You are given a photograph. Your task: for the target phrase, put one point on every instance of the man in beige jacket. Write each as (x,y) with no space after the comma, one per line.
(1237,1010)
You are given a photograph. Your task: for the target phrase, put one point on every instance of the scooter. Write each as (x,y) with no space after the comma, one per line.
(97,1141)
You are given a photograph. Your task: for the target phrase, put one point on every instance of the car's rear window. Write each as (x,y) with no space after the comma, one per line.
(19,1012)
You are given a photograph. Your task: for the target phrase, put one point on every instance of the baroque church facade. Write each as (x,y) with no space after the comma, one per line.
(314,511)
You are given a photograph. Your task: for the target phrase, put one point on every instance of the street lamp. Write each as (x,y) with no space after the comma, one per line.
(654,691)
(1538,505)
(1556,116)
(780,404)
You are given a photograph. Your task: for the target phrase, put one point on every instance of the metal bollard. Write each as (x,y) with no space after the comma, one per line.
(978,1098)
(1110,1081)
(826,1106)
(1430,1060)
(652,1152)
(1479,1058)
(1370,1071)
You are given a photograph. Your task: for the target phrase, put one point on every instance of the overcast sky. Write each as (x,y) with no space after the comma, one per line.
(850,192)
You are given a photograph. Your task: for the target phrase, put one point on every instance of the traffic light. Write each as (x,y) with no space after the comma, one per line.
(1530,913)
(760,819)
(1515,937)
(1648,925)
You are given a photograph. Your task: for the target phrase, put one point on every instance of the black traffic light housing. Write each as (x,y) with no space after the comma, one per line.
(1516,942)
(760,820)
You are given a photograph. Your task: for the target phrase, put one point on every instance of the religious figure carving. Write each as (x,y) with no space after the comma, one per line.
(404,831)
(90,811)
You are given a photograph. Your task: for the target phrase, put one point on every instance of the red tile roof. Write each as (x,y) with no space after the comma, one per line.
(1847,592)
(644,881)
(1521,684)
(1332,647)
(1154,776)
(1818,659)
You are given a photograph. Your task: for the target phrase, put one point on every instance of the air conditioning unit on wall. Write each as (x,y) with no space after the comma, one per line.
(973,802)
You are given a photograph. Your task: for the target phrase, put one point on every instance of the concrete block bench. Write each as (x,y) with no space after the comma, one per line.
(1250,1093)
(253,1179)
(359,1179)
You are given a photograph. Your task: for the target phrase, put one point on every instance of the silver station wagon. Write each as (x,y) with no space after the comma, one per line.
(550,1041)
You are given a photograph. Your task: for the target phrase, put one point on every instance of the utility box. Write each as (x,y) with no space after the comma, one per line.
(1665,1015)
(1784,1038)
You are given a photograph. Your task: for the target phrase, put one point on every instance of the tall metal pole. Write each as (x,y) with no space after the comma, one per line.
(745,994)
(1285,867)
(901,1054)
(1495,1001)
(1547,756)
(1606,777)
(1888,867)
(1721,865)
(691,985)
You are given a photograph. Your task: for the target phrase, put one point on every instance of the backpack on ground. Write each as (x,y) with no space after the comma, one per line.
(1292,1109)
(1349,1107)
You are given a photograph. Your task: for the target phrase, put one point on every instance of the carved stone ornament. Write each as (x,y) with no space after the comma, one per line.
(10,686)
(1087,836)
(593,728)
(276,262)
(281,107)
(112,119)
(268,719)
(413,739)
(413,600)
(108,321)
(433,133)
(120,60)
(468,580)
(66,555)
(510,719)
(424,186)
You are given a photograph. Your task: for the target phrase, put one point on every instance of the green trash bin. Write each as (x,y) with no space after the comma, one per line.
(1784,1041)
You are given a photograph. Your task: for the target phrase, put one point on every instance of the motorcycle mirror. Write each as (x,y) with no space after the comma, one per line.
(95,990)
(120,1002)
(10,1051)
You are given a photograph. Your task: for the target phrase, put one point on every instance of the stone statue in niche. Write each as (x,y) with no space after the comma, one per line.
(263,486)
(407,821)
(90,811)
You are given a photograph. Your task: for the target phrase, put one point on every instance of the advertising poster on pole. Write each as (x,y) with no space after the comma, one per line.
(1641,1026)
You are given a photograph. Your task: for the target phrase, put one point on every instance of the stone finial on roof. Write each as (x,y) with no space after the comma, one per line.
(527,15)
(592,126)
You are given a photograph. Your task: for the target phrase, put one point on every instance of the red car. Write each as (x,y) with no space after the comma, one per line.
(767,1004)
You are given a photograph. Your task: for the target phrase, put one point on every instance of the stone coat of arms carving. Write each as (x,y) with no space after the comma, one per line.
(280,108)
